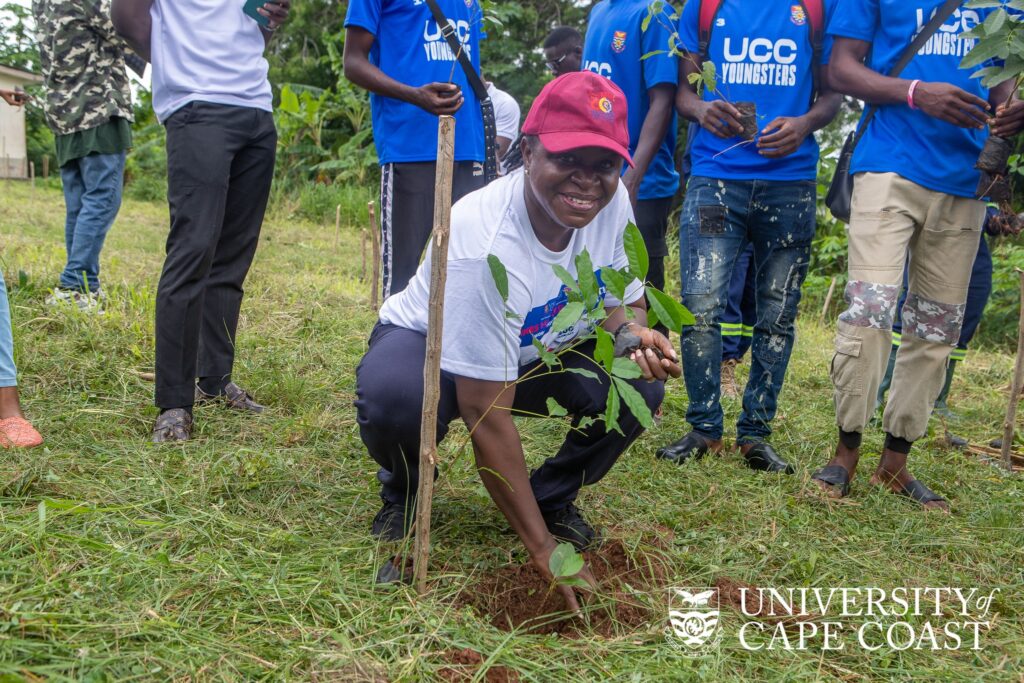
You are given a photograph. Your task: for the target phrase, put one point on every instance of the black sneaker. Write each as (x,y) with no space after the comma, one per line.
(567,525)
(392,523)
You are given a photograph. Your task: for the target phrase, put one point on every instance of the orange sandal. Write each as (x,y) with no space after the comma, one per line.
(17,432)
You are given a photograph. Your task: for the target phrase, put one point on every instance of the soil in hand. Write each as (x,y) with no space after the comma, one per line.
(994,155)
(464,665)
(748,119)
(518,597)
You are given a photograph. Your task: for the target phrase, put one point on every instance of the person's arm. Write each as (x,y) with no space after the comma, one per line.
(276,13)
(652,134)
(436,98)
(849,75)
(486,408)
(786,134)
(133,23)
(651,367)
(502,143)
(717,116)
(13,97)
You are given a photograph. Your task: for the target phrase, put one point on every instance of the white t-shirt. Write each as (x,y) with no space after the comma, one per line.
(207,50)
(506,113)
(479,340)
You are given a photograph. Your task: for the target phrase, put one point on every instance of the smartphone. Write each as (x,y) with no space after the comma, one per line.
(250,8)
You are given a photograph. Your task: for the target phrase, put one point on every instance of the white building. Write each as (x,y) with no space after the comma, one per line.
(13,156)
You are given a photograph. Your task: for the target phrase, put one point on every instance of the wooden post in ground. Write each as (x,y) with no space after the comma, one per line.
(337,227)
(1015,386)
(32,174)
(375,237)
(46,165)
(828,301)
(432,362)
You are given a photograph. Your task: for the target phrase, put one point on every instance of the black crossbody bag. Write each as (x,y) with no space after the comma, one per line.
(486,106)
(840,192)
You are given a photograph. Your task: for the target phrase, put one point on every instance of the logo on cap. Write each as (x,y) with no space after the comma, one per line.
(602,107)
(797,15)
(619,41)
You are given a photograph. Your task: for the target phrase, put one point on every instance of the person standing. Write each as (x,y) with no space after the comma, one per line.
(506,120)
(563,50)
(614,47)
(394,49)
(760,191)
(210,90)
(88,107)
(913,196)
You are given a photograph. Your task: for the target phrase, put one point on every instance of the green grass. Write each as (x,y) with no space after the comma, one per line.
(245,554)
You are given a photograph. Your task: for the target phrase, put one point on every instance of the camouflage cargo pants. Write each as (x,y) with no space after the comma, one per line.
(891,216)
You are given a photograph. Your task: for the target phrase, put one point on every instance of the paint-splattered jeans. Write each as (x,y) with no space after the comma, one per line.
(890,217)
(720,217)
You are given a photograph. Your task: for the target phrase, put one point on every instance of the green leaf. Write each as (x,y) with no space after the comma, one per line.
(585,276)
(589,374)
(652,53)
(289,101)
(985,50)
(636,252)
(615,281)
(554,409)
(566,277)
(670,312)
(565,561)
(710,75)
(567,317)
(575,582)
(626,369)
(499,275)
(611,411)
(635,402)
(604,349)
(549,359)
(995,22)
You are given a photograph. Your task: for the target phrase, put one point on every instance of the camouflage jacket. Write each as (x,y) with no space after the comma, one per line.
(83,64)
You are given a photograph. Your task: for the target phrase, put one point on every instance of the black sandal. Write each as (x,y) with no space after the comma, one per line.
(835,476)
(918,492)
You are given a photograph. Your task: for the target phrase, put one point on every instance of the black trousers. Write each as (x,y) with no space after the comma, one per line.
(407,214)
(389,406)
(220,164)
(652,221)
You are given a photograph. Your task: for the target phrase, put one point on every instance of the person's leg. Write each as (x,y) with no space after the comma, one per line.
(732,314)
(406,219)
(74,188)
(251,173)
(781,231)
(748,305)
(652,221)
(467,177)
(714,222)
(200,150)
(587,454)
(102,178)
(9,405)
(389,405)
(884,218)
(897,338)
(942,256)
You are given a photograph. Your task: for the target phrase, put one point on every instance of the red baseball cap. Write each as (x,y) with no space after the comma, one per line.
(580,109)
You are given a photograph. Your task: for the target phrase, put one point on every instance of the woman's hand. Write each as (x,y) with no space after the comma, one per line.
(653,366)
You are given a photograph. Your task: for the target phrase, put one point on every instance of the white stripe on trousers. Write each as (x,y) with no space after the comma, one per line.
(386,235)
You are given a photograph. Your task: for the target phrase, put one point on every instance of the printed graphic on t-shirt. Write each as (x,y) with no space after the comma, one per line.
(537,322)
(759,61)
(437,48)
(948,39)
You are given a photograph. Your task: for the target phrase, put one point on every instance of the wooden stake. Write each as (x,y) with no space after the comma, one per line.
(46,165)
(362,250)
(828,301)
(337,226)
(1018,382)
(32,173)
(432,362)
(375,237)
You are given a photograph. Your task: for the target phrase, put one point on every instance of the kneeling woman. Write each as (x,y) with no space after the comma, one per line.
(566,198)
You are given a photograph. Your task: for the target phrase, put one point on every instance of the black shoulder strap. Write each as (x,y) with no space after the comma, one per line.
(940,17)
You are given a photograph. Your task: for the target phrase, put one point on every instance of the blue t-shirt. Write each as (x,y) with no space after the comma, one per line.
(932,153)
(613,48)
(409,48)
(763,53)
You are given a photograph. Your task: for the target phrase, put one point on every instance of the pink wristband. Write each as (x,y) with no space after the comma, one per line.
(910,94)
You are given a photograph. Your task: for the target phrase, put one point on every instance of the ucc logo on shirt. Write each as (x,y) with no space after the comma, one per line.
(619,41)
(797,15)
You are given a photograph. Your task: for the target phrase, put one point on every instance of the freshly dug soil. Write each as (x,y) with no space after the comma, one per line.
(465,663)
(748,119)
(517,596)
(994,155)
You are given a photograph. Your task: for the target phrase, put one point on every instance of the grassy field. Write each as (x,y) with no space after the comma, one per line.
(245,554)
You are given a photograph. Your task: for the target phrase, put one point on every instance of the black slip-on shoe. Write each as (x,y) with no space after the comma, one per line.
(692,446)
(393,521)
(763,457)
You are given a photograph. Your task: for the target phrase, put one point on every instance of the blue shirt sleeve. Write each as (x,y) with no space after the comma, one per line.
(689,26)
(660,68)
(857,19)
(364,14)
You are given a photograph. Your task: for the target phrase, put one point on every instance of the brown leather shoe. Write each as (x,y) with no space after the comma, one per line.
(173,425)
(235,396)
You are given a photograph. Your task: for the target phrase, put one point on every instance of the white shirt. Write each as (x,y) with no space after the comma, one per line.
(506,113)
(480,340)
(207,50)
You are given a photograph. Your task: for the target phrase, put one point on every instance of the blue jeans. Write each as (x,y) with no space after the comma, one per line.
(8,375)
(92,192)
(720,217)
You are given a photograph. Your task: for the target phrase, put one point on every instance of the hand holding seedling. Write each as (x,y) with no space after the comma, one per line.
(565,569)
(951,104)
(652,353)
(783,136)
(720,117)
(440,99)
(1009,119)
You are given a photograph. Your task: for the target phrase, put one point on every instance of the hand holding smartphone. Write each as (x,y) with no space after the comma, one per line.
(250,9)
